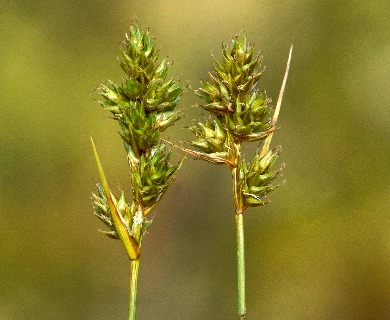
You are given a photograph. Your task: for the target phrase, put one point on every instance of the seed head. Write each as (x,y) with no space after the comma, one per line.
(231,94)
(144,105)
(256,177)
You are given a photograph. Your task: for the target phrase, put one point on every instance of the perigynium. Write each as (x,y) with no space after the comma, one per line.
(144,105)
(238,113)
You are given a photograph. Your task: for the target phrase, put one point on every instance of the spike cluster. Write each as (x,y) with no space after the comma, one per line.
(238,113)
(144,105)
(257,176)
(231,94)
(153,177)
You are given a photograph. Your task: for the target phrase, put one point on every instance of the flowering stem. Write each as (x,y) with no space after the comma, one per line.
(240,266)
(134,266)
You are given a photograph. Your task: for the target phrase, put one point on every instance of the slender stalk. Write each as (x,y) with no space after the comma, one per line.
(134,266)
(239,214)
(241,309)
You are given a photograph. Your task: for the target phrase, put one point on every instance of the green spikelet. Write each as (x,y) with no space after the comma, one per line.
(257,177)
(231,94)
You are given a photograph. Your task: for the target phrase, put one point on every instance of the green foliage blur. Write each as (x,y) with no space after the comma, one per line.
(320,250)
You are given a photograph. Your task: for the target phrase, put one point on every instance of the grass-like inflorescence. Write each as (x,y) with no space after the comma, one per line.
(144,105)
(239,113)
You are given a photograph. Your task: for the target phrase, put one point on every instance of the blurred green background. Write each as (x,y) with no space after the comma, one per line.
(320,250)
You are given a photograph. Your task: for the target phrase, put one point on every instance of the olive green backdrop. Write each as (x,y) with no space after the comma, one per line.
(319,250)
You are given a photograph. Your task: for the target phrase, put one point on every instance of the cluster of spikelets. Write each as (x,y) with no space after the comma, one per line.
(144,105)
(255,177)
(238,113)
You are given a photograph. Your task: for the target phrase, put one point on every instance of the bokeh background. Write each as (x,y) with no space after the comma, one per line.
(319,250)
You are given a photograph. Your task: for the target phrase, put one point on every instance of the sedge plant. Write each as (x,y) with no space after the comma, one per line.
(144,105)
(239,113)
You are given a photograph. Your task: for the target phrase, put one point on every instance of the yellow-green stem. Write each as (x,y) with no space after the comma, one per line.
(134,266)
(239,214)
(241,309)
(236,196)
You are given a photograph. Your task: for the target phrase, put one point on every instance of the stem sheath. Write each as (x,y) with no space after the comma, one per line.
(134,266)
(241,309)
